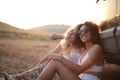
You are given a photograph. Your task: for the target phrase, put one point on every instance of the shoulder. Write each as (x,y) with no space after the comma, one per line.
(96,50)
(96,47)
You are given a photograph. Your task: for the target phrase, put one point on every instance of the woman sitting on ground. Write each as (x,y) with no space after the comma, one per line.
(90,63)
(69,45)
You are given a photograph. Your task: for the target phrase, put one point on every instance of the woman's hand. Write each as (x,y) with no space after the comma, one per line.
(54,36)
(51,56)
(54,56)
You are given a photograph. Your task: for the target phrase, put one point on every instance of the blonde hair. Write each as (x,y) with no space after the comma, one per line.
(66,46)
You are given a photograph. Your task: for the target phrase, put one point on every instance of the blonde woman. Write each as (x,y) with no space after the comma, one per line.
(69,46)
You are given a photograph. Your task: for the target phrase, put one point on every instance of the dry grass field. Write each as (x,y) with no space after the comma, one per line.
(17,55)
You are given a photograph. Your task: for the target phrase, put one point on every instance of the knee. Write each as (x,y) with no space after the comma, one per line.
(55,63)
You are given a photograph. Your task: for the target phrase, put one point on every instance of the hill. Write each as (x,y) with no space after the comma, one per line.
(39,33)
(8,27)
(47,29)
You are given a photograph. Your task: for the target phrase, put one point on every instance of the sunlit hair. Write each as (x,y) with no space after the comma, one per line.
(77,42)
(65,43)
(93,28)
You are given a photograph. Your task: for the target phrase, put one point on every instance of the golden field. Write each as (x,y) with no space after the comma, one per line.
(18,55)
(21,50)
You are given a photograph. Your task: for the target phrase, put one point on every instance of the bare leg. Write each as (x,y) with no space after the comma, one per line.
(60,68)
(31,74)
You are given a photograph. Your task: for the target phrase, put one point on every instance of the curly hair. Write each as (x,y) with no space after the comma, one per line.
(93,28)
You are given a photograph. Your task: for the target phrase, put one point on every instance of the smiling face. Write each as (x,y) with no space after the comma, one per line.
(70,36)
(84,34)
(89,32)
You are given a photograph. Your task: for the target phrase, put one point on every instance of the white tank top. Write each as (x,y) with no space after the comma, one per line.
(93,68)
(73,56)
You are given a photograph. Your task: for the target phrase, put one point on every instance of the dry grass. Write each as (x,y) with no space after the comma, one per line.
(17,55)
(20,55)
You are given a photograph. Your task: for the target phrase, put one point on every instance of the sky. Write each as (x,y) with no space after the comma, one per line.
(26,14)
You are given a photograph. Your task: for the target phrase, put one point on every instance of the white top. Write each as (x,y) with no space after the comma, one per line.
(73,56)
(94,68)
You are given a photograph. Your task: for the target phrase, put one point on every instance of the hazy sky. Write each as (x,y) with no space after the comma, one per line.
(26,14)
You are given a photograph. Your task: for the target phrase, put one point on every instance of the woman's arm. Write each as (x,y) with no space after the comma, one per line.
(94,55)
(54,36)
(72,66)
(57,49)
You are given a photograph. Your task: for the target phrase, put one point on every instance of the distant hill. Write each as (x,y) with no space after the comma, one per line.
(39,33)
(8,27)
(47,29)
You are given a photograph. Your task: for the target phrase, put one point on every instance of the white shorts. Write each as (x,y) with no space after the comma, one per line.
(84,76)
